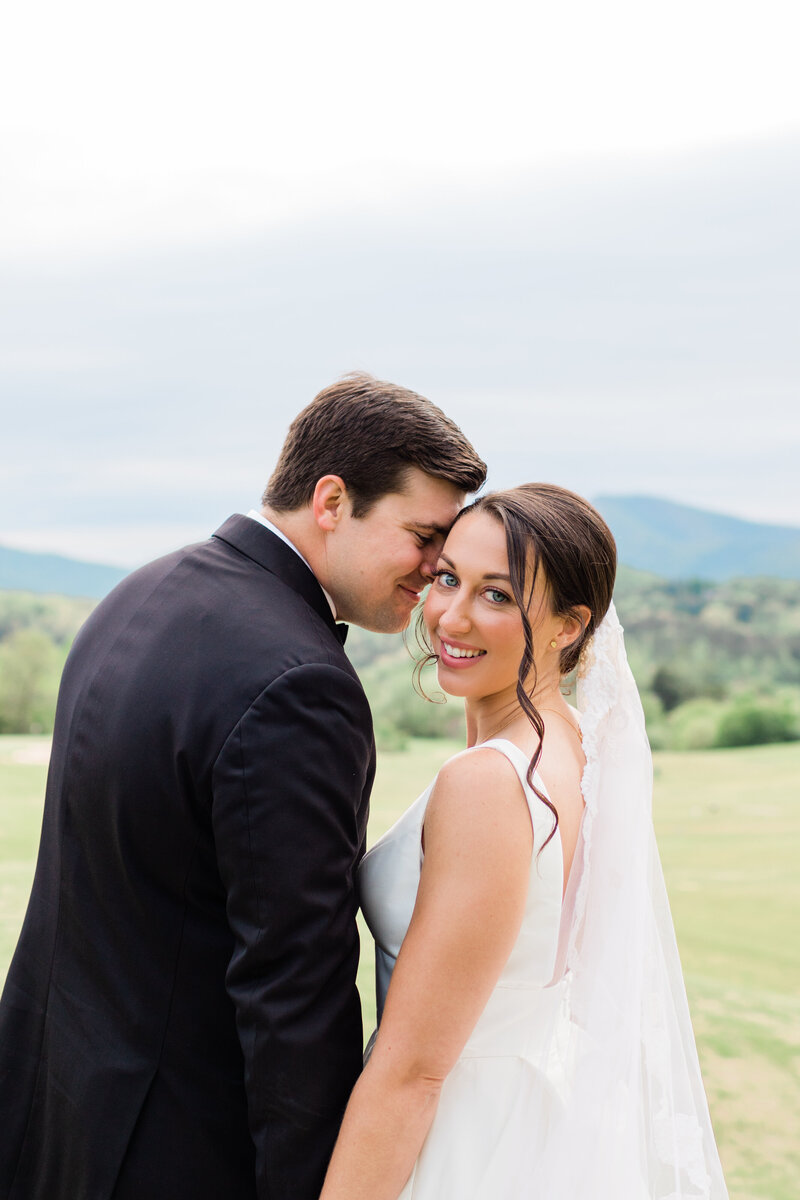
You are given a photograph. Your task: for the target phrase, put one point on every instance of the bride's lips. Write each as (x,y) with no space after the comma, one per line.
(457,662)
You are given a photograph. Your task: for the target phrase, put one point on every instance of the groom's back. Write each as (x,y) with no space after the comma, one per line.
(115,1017)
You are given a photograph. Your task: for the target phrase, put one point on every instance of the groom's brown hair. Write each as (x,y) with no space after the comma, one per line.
(369,433)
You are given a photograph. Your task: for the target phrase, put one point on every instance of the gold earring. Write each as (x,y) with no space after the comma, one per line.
(554,644)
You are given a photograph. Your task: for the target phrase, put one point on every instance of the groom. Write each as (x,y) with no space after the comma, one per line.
(180,1018)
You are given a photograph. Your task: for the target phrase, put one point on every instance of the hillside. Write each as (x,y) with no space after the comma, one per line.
(709,658)
(670,540)
(22,571)
(679,542)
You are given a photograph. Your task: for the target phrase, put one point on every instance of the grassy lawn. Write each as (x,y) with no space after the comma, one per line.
(23,771)
(728,825)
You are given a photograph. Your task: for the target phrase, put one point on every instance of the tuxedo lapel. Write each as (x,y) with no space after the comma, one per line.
(258,543)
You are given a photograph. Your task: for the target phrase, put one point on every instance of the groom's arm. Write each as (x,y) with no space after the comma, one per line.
(288,788)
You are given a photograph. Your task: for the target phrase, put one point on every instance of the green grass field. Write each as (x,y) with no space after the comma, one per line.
(728,825)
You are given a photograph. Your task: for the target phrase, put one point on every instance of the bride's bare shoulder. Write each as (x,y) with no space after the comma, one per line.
(479,764)
(479,791)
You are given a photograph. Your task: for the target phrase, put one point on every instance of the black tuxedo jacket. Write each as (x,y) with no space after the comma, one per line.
(181,1017)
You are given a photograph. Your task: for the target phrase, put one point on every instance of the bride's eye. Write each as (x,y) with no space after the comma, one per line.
(445,578)
(496,596)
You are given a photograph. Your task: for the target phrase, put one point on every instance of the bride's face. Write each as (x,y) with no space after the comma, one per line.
(472,618)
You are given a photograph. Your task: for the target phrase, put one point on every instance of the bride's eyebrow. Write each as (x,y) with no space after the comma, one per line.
(490,575)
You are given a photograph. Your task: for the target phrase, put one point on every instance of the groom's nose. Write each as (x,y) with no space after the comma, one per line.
(430,558)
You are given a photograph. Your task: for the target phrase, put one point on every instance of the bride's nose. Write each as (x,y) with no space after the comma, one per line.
(455,618)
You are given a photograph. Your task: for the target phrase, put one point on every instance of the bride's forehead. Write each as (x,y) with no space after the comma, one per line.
(478,535)
(477,543)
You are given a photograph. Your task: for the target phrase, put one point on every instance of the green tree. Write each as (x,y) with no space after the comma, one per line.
(671,687)
(29,664)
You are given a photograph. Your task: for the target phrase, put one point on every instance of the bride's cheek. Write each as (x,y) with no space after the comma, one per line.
(429,609)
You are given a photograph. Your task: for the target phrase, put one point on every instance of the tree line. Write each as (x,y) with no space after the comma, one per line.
(718,664)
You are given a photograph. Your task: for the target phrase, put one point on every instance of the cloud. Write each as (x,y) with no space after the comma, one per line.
(187,124)
(625,326)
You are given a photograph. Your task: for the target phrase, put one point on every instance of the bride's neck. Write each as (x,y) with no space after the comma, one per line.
(493,716)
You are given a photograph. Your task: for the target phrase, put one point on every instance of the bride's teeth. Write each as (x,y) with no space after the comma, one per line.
(456,652)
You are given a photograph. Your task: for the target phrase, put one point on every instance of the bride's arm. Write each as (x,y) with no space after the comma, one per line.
(469,908)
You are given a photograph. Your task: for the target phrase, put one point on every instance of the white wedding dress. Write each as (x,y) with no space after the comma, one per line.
(580,1080)
(481,1143)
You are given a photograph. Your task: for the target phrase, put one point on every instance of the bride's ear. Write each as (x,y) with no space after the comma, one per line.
(574,623)
(329,502)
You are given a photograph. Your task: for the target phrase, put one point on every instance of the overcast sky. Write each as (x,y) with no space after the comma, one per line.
(576,230)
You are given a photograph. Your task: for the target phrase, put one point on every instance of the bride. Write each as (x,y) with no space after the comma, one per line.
(534,1038)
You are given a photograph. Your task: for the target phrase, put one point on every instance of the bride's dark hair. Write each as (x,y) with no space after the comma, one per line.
(551,529)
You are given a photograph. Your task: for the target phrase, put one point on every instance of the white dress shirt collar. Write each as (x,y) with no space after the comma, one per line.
(262,520)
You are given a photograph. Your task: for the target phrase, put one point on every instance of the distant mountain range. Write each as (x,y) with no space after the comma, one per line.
(22,571)
(679,542)
(666,539)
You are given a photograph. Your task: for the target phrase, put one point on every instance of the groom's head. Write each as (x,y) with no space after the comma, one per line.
(368,482)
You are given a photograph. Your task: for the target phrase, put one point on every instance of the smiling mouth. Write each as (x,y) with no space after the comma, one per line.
(459,652)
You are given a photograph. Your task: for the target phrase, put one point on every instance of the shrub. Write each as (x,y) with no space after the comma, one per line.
(693,726)
(751,722)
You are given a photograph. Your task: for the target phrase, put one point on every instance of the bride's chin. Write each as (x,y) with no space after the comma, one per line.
(458,686)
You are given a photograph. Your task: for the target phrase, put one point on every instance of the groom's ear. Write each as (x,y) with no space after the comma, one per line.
(330,502)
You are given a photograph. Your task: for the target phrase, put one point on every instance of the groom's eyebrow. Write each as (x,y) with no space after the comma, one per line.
(428,530)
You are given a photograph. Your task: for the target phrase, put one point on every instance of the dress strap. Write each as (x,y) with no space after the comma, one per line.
(518,759)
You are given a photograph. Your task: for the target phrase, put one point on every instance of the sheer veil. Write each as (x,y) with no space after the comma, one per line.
(626,1117)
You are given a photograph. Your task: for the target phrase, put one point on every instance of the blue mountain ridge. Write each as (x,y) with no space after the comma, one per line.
(674,541)
(23,571)
(680,542)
